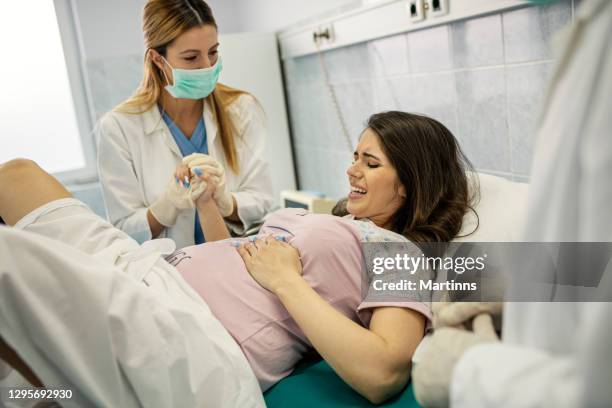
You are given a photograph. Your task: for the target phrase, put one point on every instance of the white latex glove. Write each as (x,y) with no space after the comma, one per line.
(455,314)
(208,175)
(432,375)
(209,169)
(177,196)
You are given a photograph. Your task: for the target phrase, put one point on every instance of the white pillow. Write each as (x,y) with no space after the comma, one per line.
(502,209)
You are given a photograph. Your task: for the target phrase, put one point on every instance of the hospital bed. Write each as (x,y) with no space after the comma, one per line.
(315,384)
(501,211)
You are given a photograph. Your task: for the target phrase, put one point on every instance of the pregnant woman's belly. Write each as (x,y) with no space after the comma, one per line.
(332,264)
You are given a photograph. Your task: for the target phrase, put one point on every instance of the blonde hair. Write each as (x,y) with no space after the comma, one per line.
(162,22)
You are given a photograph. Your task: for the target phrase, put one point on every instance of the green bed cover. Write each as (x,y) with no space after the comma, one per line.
(316,385)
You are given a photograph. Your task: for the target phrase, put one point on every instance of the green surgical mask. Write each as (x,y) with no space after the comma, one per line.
(194,83)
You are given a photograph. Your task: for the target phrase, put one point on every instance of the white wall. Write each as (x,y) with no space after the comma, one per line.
(110,28)
(228,16)
(264,80)
(269,15)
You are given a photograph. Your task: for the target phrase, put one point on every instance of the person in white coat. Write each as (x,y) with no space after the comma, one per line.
(551,354)
(179,109)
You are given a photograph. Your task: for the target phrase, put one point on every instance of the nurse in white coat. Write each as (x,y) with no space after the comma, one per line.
(180,109)
(551,354)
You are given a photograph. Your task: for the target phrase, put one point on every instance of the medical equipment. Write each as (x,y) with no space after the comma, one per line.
(312,201)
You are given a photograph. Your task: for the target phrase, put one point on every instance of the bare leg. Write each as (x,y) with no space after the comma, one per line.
(11,358)
(25,187)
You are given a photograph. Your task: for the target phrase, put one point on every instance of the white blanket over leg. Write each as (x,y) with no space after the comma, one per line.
(81,323)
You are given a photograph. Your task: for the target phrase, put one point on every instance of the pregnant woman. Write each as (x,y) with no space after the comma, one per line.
(101,314)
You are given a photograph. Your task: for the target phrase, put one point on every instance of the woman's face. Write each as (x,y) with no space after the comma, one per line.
(194,49)
(376,191)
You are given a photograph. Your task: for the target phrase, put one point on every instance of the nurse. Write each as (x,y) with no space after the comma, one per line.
(179,109)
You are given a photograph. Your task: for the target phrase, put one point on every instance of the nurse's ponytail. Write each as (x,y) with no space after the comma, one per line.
(162,22)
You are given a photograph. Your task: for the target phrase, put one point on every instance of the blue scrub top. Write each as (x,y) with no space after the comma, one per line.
(197,144)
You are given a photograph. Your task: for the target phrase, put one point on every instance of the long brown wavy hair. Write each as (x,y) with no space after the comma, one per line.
(162,22)
(432,168)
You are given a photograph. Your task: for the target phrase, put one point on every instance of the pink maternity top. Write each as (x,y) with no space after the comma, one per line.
(331,256)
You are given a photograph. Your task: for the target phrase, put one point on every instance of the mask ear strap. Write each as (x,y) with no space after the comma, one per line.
(164,72)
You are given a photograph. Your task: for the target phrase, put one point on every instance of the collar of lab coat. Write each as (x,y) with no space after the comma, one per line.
(153,122)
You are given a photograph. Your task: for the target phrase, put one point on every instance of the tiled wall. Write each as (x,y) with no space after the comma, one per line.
(484,78)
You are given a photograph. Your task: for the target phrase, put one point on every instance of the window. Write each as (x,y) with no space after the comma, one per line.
(43,104)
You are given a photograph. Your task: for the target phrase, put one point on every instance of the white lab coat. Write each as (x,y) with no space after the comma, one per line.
(137,156)
(560,354)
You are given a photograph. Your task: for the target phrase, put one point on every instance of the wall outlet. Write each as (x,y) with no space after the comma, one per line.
(438,8)
(416,10)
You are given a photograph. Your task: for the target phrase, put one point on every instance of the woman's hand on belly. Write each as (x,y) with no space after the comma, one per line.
(273,264)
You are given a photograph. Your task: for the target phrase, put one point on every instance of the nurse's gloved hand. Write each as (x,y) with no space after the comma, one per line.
(455,314)
(210,179)
(202,165)
(180,194)
(432,374)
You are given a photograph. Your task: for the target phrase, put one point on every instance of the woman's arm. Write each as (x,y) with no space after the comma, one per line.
(213,225)
(211,220)
(375,362)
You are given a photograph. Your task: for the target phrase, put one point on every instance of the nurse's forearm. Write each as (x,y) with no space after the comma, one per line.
(358,355)
(154,225)
(213,225)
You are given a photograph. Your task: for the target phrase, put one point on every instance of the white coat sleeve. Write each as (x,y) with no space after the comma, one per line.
(122,192)
(503,375)
(254,195)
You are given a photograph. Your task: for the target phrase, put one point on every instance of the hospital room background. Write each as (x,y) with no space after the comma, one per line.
(481,68)
(320,69)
